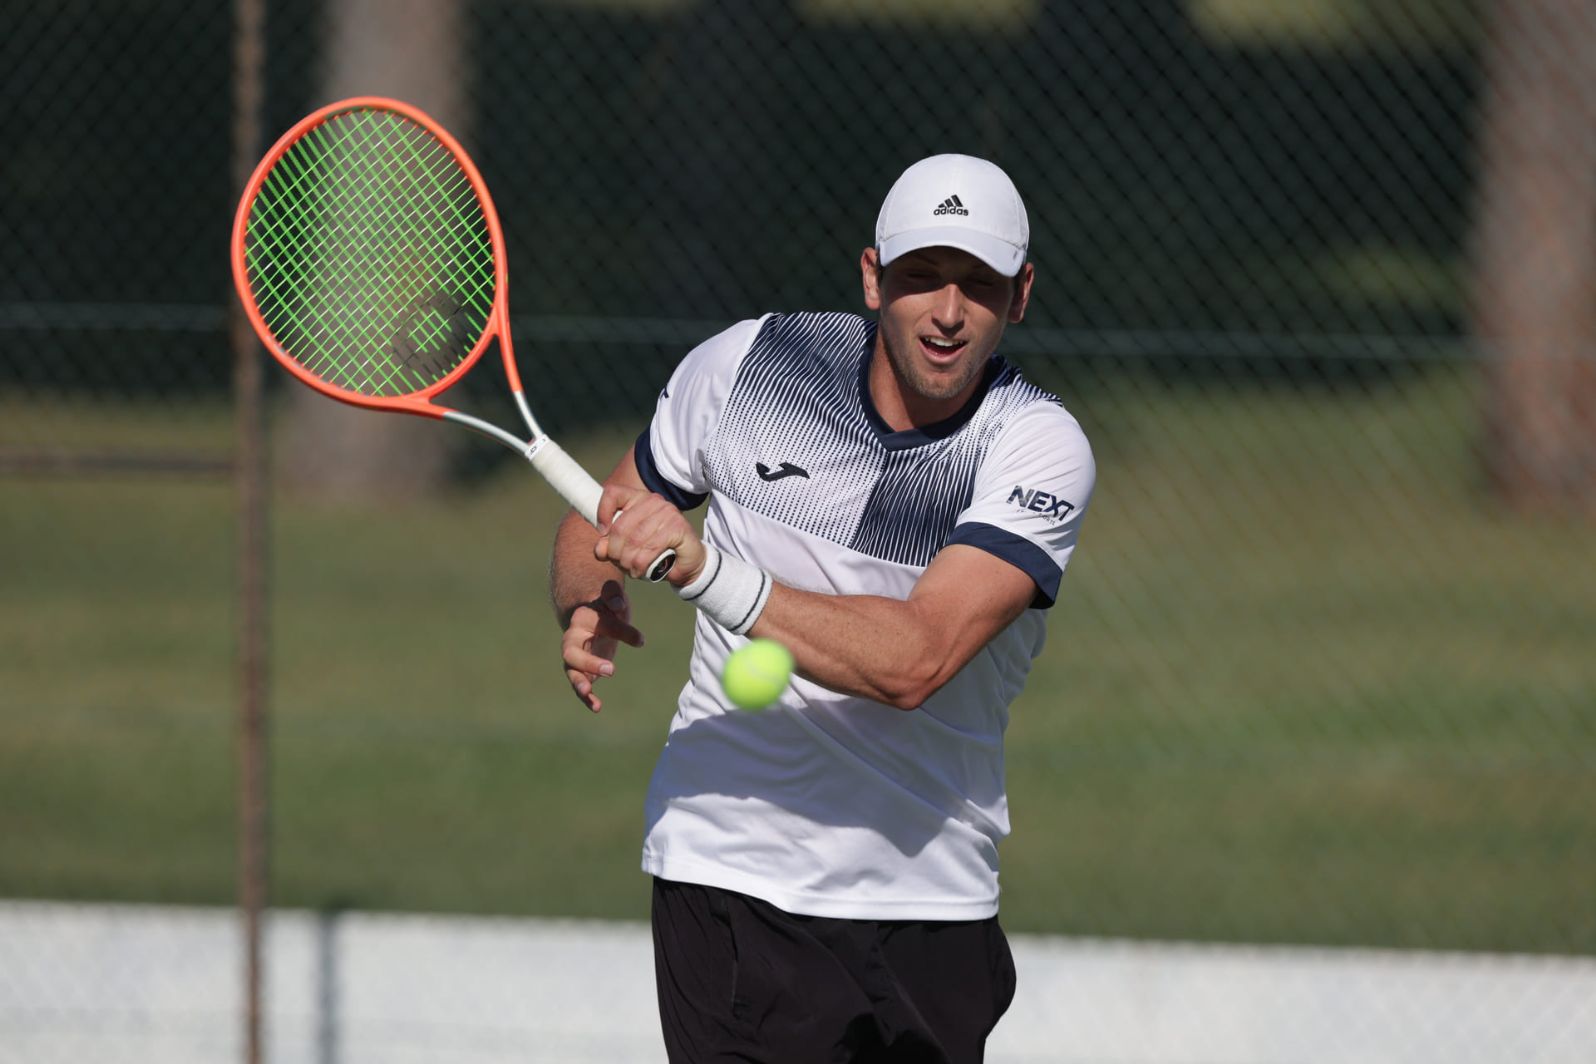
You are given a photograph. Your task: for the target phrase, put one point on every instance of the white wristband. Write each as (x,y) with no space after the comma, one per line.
(728,591)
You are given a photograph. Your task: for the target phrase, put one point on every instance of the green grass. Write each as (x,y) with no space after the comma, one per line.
(1304,684)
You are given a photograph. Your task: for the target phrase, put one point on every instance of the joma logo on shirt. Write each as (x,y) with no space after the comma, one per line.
(1051,506)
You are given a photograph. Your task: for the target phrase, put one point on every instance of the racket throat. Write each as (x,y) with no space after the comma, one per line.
(526,415)
(494,432)
(536,444)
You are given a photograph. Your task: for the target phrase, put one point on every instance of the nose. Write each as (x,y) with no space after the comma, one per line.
(948,311)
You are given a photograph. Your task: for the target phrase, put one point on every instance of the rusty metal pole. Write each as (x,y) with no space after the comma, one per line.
(250,473)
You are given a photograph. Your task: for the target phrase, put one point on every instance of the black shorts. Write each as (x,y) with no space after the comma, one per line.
(740,980)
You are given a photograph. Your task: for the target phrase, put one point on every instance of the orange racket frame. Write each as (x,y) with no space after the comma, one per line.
(418,402)
(566,476)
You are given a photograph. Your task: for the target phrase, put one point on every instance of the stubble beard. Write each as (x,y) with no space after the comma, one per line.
(935,389)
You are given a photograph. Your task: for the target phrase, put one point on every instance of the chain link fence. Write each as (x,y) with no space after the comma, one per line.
(1316,277)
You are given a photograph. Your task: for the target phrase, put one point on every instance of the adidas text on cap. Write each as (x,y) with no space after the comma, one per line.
(955,201)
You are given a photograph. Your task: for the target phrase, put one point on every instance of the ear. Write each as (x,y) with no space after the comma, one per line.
(1022,292)
(870,275)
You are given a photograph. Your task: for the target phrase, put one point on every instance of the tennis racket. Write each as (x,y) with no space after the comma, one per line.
(370,261)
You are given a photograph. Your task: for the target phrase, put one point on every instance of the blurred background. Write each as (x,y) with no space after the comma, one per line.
(1318,277)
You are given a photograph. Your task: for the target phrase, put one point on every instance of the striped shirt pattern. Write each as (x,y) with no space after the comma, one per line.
(799,398)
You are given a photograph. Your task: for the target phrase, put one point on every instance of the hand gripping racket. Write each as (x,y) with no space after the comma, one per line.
(370,261)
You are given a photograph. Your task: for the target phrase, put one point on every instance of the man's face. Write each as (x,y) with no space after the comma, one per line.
(942,313)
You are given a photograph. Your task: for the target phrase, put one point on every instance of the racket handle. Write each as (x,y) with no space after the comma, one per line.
(577,487)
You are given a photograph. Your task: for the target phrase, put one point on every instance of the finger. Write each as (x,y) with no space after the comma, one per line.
(584,660)
(639,540)
(615,599)
(615,628)
(579,626)
(584,651)
(583,687)
(615,497)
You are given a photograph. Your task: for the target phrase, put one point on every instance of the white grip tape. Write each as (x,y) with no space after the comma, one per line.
(728,591)
(575,485)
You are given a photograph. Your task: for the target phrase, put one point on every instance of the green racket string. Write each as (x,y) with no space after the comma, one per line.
(369,256)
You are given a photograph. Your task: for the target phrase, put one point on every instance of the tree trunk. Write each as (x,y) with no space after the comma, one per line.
(1534,300)
(409,50)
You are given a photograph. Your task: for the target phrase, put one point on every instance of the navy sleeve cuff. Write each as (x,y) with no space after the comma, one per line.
(1018,552)
(655,481)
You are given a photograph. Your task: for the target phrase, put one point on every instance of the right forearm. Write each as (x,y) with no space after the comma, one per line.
(575,576)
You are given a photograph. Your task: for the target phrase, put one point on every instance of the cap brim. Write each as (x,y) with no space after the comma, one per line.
(1002,256)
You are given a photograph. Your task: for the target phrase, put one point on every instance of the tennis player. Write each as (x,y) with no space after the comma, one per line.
(895,503)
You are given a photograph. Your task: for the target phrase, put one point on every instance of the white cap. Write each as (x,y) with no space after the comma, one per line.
(955,201)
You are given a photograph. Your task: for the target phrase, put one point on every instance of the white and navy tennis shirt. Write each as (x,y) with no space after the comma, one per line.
(828,804)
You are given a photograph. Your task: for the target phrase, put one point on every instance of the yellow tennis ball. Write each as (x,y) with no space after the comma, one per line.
(755,675)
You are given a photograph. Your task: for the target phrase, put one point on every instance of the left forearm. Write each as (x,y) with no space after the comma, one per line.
(878,648)
(896,651)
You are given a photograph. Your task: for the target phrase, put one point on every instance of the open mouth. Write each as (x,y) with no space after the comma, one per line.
(942,349)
